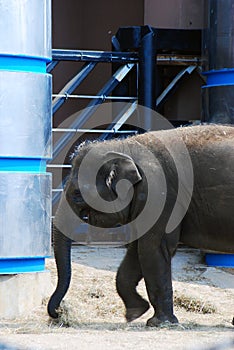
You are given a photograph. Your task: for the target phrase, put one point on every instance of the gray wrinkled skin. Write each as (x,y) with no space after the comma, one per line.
(204,217)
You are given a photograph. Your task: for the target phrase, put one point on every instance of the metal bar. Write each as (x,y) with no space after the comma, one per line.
(87,112)
(98,131)
(72,85)
(179,60)
(170,88)
(67,96)
(94,56)
(120,119)
(51,66)
(58,166)
(57,191)
(122,89)
(119,57)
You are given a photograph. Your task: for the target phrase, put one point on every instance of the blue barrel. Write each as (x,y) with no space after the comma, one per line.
(25,135)
(218,58)
(218,93)
(221,260)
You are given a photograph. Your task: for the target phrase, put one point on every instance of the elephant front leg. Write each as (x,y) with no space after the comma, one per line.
(128,276)
(156,269)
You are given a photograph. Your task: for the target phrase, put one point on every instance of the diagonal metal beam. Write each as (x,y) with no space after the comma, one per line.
(87,112)
(120,119)
(72,85)
(173,85)
(50,66)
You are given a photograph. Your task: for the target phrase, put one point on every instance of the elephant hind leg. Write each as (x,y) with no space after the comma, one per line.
(128,276)
(156,269)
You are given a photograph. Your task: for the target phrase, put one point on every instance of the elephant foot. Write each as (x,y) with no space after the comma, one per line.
(155,321)
(135,312)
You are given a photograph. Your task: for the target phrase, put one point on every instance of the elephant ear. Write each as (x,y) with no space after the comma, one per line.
(122,167)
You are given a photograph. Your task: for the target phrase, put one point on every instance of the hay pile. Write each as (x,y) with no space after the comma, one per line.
(92,299)
(92,303)
(193,304)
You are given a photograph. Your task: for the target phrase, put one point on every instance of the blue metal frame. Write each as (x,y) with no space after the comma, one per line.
(73,84)
(85,115)
(142,40)
(94,56)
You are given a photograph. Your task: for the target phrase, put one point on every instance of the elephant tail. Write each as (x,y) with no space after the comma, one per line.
(62,253)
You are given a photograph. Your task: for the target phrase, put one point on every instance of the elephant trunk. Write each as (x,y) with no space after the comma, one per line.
(62,253)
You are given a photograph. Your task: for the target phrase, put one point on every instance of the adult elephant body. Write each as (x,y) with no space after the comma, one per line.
(196,164)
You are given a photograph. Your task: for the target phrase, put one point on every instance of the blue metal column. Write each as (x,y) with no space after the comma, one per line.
(218,50)
(25,135)
(218,93)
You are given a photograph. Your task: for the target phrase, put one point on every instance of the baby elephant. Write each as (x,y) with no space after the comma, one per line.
(167,187)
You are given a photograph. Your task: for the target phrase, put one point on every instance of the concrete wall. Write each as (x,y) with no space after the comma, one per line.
(179,14)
